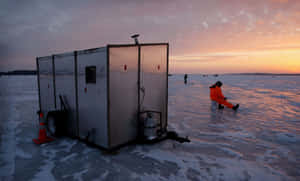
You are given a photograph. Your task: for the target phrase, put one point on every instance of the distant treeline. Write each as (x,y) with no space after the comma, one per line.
(266,74)
(19,72)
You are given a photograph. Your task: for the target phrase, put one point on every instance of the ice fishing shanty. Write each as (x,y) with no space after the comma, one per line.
(108,92)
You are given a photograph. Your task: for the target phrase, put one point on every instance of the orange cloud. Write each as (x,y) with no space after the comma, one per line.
(260,22)
(277,61)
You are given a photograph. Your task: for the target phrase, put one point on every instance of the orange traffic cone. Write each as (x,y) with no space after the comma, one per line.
(43,138)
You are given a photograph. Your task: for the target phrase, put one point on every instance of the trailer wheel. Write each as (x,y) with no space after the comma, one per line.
(57,123)
(51,125)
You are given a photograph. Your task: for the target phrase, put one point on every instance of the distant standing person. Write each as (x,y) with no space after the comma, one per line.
(185,78)
(217,95)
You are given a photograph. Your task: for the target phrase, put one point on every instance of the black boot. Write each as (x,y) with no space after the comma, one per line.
(236,107)
(221,107)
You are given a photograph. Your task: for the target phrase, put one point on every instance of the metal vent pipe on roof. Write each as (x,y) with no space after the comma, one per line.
(135,37)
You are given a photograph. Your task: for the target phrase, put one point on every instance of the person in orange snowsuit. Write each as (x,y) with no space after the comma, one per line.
(217,95)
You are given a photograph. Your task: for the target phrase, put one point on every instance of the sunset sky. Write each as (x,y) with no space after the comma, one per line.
(205,36)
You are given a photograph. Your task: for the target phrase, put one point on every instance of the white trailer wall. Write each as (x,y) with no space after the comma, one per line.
(92,97)
(123,97)
(45,70)
(64,66)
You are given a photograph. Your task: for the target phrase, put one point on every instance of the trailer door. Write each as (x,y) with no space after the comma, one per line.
(154,79)
(92,95)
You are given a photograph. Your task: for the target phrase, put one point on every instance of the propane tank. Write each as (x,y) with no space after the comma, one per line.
(150,127)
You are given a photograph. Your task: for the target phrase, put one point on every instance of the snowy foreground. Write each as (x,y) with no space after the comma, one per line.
(261,141)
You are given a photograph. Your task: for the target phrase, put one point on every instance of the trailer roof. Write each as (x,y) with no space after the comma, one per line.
(141,44)
(91,50)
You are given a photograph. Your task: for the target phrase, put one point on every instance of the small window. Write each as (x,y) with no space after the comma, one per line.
(90,75)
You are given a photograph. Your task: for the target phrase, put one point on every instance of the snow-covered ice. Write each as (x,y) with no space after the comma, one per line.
(261,141)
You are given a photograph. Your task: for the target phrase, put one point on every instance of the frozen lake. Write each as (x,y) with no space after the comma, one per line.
(261,141)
